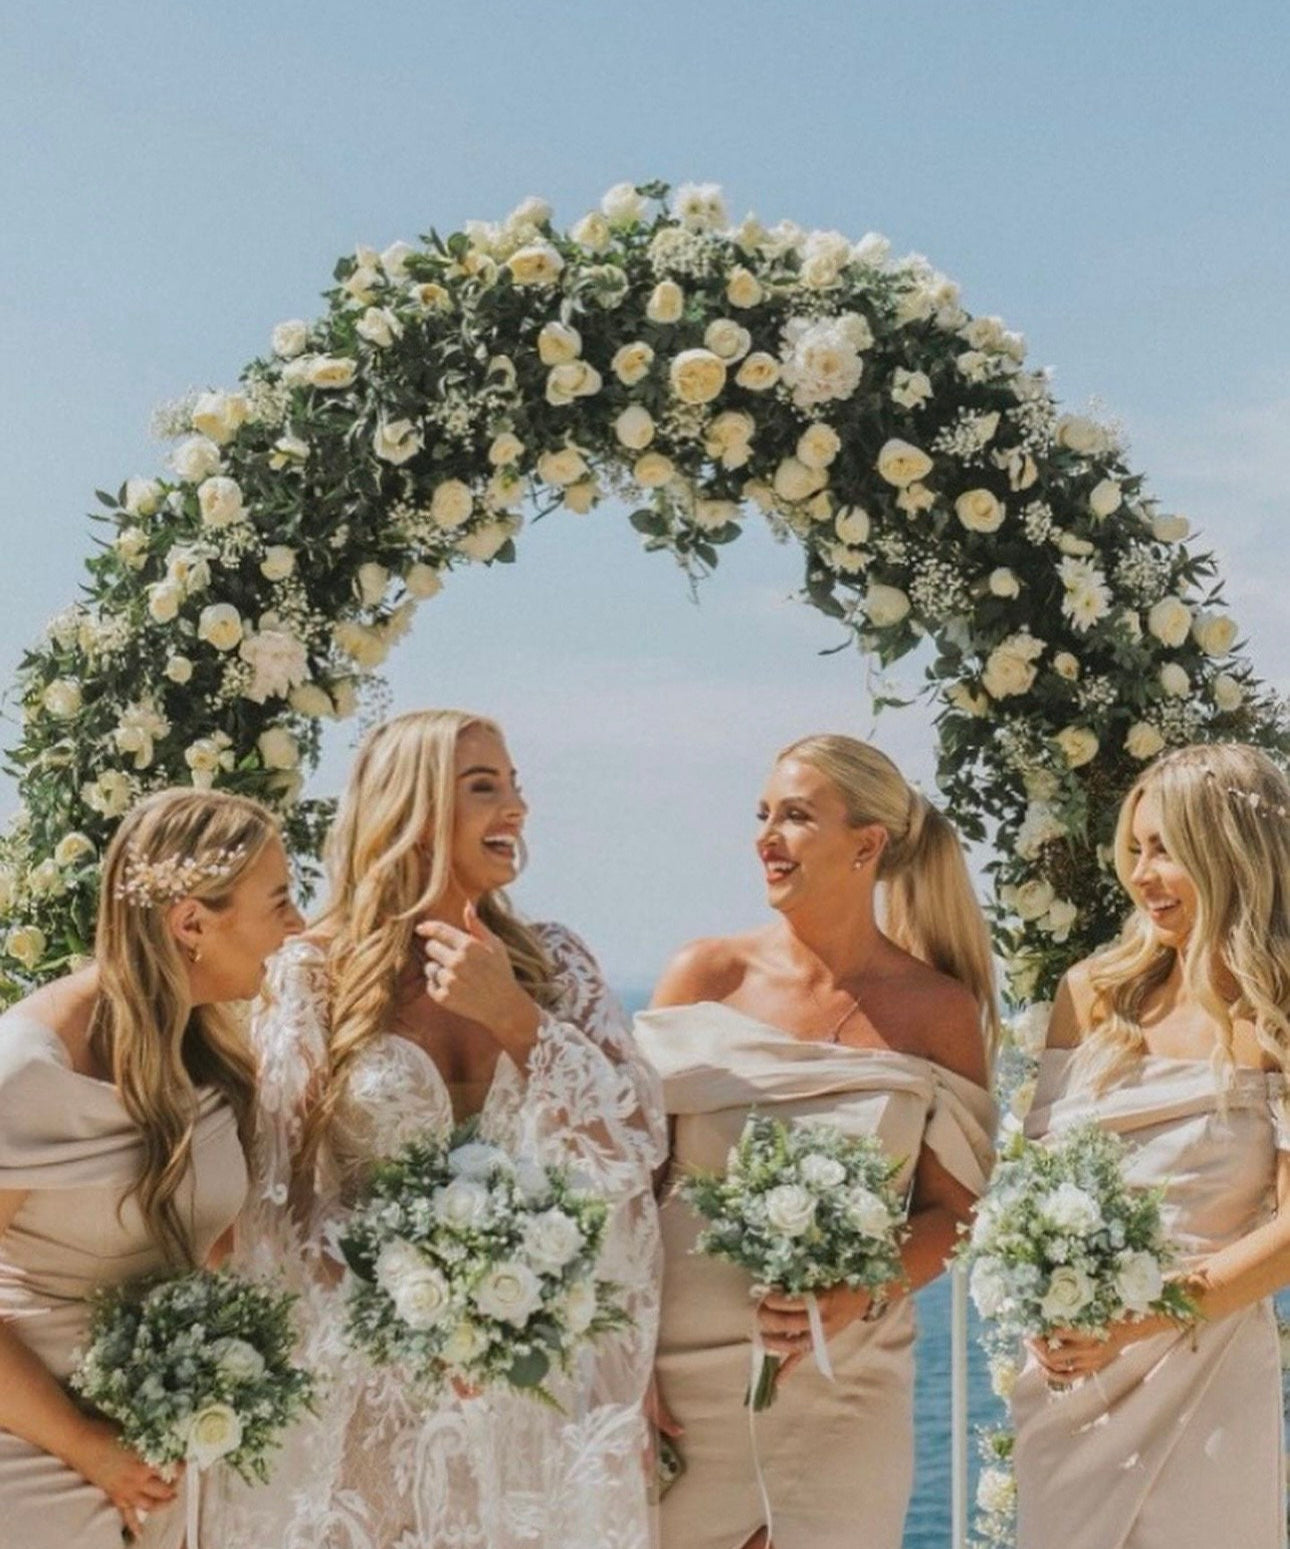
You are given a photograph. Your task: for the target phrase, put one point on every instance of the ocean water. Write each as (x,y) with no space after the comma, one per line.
(928,1523)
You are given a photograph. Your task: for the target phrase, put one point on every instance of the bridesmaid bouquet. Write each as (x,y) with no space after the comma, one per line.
(1061,1241)
(472,1266)
(802,1207)
(195,1370)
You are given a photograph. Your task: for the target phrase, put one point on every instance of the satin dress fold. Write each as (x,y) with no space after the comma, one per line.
(837,1457)
(1179,1439)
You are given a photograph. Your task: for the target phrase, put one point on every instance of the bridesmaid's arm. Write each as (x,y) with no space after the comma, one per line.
(35,1407)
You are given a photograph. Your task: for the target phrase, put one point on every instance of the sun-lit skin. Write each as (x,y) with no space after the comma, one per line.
(807,846)
(232,944)
(1159,885)
(488,823)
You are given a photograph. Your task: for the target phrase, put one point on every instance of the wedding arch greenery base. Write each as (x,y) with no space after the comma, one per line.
(710,374)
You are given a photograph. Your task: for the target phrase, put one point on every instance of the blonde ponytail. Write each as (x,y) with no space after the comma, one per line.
(931,908)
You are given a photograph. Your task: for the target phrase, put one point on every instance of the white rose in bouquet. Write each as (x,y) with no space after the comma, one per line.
(551,1240)
(1228,693)
(395,441)
(1071,1209)
(238,1360)
(867,1213)
(988,1288)
(727,339)
(653,470)
(1078,744)
(465,1344)
(1105,499)
(213,1432)
(1170,621)
(790,1209)
(476,1159)
(220,624)
(195,459)
(421,1296)
(510,1293)
(821,1172)
(558,343)
(464,1202)
(1069,1292)
(142,496)
(220,415)
(220,500)
(634,427)
(622,205)
(1140,1281)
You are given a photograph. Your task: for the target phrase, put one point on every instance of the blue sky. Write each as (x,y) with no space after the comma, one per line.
(1112,179)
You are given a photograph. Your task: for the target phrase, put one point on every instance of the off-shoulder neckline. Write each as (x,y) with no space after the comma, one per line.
(63,1057)
(845,1049)
(1167,1059)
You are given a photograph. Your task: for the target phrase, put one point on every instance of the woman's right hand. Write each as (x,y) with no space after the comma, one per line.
(134,1487)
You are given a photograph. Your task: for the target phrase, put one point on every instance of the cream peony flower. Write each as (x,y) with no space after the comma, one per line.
(505,450)
(574,379)
(1143,740)
(852,525)
(697,376)
(900,463)
(1078,744)
(794,481)
(592,232)
(666,303)
(1085,436)
(979,510)
(220,625)
(622,206)
(821,357)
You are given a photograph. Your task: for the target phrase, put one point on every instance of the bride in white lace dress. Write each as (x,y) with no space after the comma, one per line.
(419,999)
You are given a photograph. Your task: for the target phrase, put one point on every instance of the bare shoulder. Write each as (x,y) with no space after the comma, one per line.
(937,1017)
(711,968)
(1073,1007)
(63,1007)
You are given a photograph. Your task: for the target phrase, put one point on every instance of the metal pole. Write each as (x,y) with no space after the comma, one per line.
(958,1409)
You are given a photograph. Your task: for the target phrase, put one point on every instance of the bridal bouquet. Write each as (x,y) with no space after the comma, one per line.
(472,1265)
(1061,1241)
(801,1207)
(195,1370)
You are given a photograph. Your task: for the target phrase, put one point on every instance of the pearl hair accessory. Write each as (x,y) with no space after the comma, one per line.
(146,884)
(1257,803)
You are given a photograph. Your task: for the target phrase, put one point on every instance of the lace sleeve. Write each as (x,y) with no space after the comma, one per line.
(588,1099)
(276,1233)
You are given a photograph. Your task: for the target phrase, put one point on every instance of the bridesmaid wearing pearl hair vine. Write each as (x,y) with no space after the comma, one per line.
(125,1096)
(1176,1038)
(826,1015)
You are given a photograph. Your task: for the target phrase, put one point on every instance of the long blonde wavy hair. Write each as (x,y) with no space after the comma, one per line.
(1225,819)
(930,907)
(143,1028)
(389,861)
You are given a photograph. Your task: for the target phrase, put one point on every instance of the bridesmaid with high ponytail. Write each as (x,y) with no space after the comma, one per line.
(867,1004)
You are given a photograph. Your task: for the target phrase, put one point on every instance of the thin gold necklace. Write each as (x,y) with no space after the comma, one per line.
(834,1035)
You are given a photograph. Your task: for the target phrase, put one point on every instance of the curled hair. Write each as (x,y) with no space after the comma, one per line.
(931,908)
(389,860)
(1225,819)
(143,1027)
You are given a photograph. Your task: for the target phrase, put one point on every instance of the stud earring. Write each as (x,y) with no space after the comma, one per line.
(194,954)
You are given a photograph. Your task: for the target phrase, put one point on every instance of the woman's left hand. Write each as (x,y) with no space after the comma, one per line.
(468,972)
(785,1324)
(1067,1355)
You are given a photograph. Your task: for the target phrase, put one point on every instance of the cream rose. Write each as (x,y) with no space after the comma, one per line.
(510,1292)
(910,389)
(1227,692)
(866,1212)
(26,945)
(278,748)
(1170,621)
(278,563)
(979,510)
(852,525)
(634,427)
(220,625)
(794,481)
(213,1432)
(311,699)
(142,496)
(697,376)
(379,326)
(331,371)
(505,449)
(900,463)
(1078,744)
(62,698)
(666,303)
(1085,436)
(580,497)
(592,232)
(220,415)
(1004,583)
(290,338)
(565,466)
(72,848)
(632,362)
(884,605)
(1010,667)
(1105,499)
(1174,680)
(743,288)
(727,339)
(1170,529)
(790,1209)
(195,459)
(1214,633)
(537,264)
(574,379)
(558,343)
(818,445)
(552,1240)
(1066,666)
(485,541)
(758,372)
(652,470)
(451,504)
(395,441)
(622,205)
(220,502)
(422,581)
(1143,740)
(1139,1281)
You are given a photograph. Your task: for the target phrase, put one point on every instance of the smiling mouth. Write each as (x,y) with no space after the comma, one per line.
(1161,909)
(504,845)
(776,871)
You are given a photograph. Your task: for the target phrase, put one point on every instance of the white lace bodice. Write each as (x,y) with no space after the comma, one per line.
(374,1471)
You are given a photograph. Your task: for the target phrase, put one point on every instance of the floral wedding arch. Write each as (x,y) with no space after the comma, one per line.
(706,372)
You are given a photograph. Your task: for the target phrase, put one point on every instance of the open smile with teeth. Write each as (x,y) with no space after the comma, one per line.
(506,845)
(776,871)
(1161,908)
